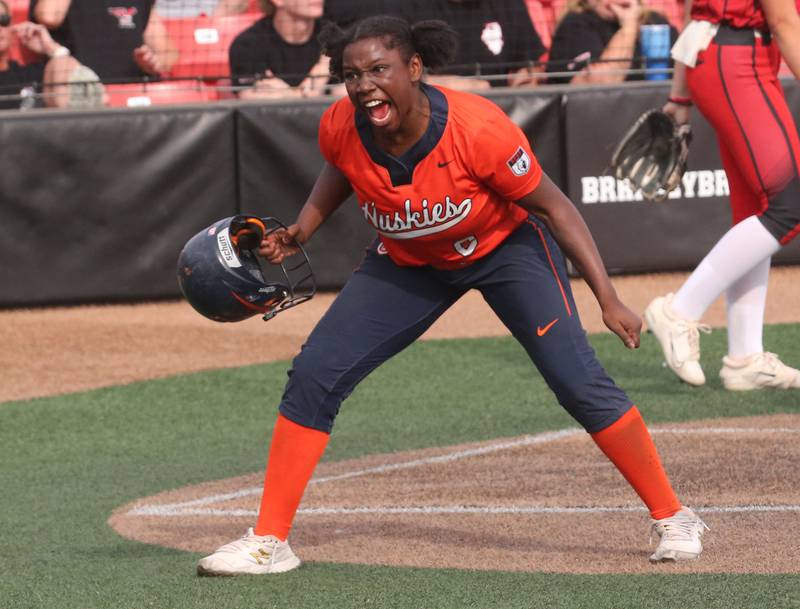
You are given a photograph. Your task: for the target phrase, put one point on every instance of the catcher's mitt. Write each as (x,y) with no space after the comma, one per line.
(652,154)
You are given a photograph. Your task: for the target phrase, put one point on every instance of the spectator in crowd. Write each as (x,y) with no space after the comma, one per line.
(62,80)
(118,42)
(598,41)
(279,56)
(496,37)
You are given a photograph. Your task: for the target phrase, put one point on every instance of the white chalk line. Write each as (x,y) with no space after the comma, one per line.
(190,508)
(460,509)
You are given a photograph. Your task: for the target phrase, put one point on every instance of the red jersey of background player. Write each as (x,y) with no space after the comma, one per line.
(736,13)
(448,200)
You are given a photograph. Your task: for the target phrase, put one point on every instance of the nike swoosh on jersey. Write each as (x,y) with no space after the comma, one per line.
(440,164)
(540,331)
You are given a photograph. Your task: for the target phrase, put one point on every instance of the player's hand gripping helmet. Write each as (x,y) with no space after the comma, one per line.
(223,278)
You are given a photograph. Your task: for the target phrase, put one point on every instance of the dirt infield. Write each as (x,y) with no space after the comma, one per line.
(457,507)
(52,351)
(549,502)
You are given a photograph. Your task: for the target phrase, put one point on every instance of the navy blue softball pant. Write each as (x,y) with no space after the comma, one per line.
(383,308)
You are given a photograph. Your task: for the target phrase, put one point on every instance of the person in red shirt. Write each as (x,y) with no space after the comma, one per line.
(727,62)
(459,202)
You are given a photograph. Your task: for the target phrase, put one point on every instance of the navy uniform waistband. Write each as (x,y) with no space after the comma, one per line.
(729,35)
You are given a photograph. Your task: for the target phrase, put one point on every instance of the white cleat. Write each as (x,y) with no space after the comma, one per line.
(758,371)
(680,536)
(679,339)
(251,555)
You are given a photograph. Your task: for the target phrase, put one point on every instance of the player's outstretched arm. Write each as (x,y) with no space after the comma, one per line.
(784,23)
(329,192)
(680,89)
(570,231)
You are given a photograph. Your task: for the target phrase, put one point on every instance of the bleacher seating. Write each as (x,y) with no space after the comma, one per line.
(203,43)
(137,95)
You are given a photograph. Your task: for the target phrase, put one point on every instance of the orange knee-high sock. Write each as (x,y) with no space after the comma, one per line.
(628,445)
(293,455)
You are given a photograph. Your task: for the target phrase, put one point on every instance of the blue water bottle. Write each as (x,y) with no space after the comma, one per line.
(655,44)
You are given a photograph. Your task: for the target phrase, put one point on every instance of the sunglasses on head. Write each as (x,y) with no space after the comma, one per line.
(5,20)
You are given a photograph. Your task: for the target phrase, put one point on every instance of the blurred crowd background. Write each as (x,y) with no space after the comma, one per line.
(98,53)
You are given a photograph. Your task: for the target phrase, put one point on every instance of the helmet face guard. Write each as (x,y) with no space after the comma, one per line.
(224,280)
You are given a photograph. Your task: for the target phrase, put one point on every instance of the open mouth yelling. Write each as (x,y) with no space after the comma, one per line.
(379,111)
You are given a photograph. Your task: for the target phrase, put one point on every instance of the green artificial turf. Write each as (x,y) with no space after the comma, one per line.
(67,462)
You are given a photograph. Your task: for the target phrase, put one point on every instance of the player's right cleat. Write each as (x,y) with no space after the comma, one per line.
(680,536)
(679,339)
(758,371)
(251,555)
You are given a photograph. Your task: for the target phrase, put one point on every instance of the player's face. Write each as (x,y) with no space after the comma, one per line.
(380,82)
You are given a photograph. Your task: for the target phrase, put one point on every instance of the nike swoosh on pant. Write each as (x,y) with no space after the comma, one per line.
(540,331)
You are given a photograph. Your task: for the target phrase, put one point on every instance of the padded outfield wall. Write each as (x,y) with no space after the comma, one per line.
(97,205)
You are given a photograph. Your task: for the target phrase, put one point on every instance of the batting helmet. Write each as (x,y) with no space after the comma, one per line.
(223,278)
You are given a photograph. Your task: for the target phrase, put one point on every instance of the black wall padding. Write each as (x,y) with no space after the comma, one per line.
(96,207)
(638,236)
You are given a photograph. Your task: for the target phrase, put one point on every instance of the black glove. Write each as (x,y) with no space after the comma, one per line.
(652,154)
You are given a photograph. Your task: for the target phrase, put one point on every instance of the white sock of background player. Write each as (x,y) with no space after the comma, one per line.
(739,251)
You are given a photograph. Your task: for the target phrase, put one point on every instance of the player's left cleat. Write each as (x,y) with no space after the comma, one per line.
(251,555)
(758,371)
(680,536)
(679,339)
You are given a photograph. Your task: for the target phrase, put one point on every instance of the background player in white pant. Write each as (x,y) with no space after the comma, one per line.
(733,80)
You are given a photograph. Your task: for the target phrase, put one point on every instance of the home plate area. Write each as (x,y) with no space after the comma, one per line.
(549,502)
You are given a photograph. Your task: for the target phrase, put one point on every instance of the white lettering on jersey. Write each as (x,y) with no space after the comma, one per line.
(466,246)
(429,220)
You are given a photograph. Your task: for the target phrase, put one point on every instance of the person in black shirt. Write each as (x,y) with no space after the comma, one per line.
(497,41)
(60,81)
(279,56)
(120,42)
(598,41)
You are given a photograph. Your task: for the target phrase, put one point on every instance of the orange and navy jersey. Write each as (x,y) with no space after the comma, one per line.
(735,13)
(448,200)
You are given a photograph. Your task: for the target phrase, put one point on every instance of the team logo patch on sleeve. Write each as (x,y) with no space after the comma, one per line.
(520,163)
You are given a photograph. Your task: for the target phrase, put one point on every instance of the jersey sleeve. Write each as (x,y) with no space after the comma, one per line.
(503,159)
(327,138)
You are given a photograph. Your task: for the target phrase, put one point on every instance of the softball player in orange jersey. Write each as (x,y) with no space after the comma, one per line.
(459,202)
